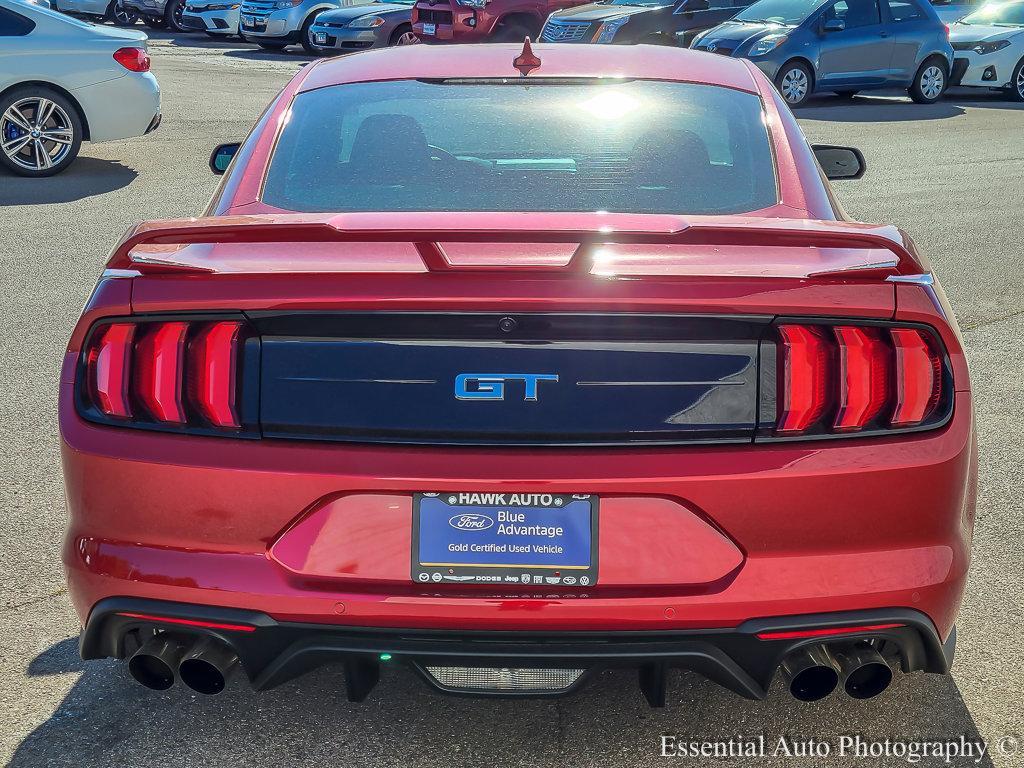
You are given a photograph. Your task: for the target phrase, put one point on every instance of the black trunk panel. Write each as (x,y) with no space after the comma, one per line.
(481,378)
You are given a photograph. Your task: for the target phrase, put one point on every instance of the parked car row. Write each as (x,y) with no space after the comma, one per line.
(809,46)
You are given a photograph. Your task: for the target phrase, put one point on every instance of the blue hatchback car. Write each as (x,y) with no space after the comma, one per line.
(843,46)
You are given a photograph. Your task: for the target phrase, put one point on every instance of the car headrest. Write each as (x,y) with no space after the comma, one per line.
(667,158)
(386,142)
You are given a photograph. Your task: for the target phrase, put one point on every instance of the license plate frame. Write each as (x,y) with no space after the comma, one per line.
(569,522)
(320,38)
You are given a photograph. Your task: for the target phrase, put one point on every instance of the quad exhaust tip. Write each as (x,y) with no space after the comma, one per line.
(813,673)
(205,665)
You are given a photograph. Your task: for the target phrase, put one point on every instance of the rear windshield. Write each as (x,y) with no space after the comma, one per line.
(631,147)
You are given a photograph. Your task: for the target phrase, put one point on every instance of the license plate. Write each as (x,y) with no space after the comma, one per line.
(526,539)
(430,29)
(248,21)
(320,38)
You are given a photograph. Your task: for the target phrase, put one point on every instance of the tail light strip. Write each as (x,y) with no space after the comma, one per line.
(173,373)
(847,378)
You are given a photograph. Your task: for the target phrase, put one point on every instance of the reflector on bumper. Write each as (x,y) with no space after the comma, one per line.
(499,679)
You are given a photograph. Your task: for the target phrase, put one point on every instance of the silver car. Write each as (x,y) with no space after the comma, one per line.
(217,19)
(64,81)
(159,13)
(100,10)
(275,24)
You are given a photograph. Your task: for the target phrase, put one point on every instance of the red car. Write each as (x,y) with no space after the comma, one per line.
(474,21)
(510,365)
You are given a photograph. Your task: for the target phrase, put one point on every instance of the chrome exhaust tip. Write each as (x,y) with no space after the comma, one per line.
(811,673)
(865,672)
(154,664)
(208,666)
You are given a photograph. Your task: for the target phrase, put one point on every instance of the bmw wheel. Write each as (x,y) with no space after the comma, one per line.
(173,12)
(795,83)
(120,16)
(40,132)
(1016,89)
(929,82)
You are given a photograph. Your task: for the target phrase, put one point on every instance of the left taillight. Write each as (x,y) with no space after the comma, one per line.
(182,375)
(132,59)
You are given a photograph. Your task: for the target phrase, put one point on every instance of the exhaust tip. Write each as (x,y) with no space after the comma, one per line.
(154,663)
(151,672)
(207,667)
(811,673)
(814,683)
(868,680)
(201,676)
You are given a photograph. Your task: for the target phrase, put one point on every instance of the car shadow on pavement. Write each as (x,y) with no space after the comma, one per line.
(291,53)
(107,719)
(874,109)
(195,39)
(87,176)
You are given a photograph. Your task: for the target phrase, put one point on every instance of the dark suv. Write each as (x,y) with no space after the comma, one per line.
(638,21)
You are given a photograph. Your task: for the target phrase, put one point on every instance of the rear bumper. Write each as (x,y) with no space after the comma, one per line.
(120,108)
(859,525)
(274,652)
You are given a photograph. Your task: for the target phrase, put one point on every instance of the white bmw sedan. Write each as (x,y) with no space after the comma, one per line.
(65,81)
(988,48)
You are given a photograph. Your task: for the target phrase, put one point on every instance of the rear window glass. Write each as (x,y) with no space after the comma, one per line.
(631,147)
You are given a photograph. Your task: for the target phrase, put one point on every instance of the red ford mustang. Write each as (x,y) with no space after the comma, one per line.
(511,365)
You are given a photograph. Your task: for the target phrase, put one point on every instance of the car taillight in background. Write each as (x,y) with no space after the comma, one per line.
(132,59)
(845,378)
(174,374)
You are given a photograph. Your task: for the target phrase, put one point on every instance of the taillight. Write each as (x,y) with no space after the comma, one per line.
(132,59)
(107,366)
(852,378)
(212,371)
(175,374)
(805,364)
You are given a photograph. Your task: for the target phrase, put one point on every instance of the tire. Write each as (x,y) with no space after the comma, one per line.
(510,33)
(306,36)
(929,83)
(277,47)
(120,16)
(172,15)
(154,23)
(403,33)
(38,156)
(796,83)
(1016,90)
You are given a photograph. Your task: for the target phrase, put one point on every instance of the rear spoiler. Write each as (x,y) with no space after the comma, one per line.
(429,231)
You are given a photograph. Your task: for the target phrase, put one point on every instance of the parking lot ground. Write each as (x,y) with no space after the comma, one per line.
(952,174)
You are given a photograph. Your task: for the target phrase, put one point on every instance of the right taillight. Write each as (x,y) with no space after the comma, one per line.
(849,378)
(175,374)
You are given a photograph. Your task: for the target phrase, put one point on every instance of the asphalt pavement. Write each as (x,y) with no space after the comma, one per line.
(952,174)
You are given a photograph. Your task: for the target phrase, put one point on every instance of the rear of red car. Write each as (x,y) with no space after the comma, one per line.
(508,449)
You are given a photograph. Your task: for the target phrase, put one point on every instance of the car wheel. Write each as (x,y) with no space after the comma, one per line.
(173,13)
(795,82)
(40,132)
(153,22)
(510,33)
(1016,89)
(120,16)
(929,83)
(403,36)
(307,37)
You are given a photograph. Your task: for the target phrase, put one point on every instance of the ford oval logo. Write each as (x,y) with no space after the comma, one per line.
(470,522)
